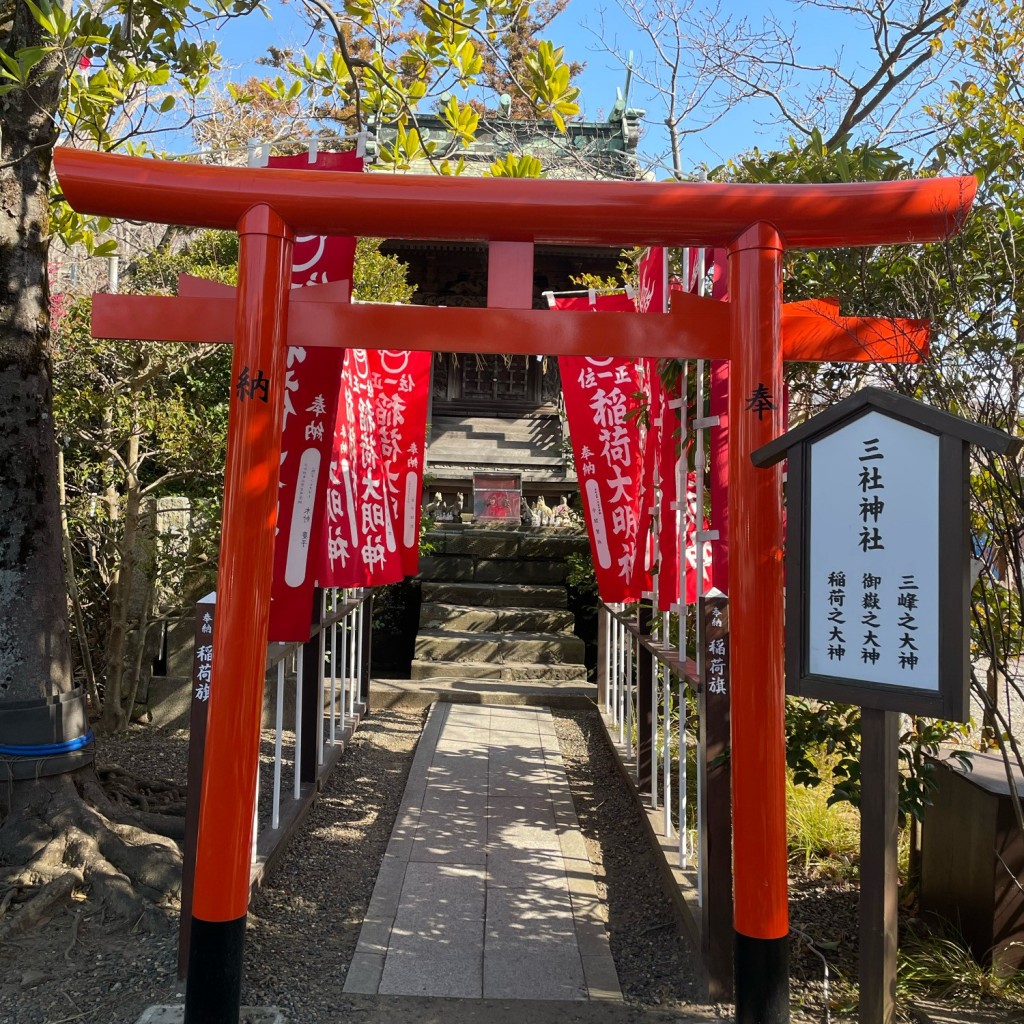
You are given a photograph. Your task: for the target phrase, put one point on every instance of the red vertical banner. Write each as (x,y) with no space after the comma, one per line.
(719,407)
(359,545)
(651,297)
(652,281)
(646,456)
(690,552)
(401,381)
(601,407)
(310,408)
(669,444)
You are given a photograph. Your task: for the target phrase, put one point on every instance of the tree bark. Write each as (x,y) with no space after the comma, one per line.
(34,647)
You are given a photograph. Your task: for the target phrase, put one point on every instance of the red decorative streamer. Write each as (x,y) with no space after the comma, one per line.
(310,408)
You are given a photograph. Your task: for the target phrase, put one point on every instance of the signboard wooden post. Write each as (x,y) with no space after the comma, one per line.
(715,783)
(878,585)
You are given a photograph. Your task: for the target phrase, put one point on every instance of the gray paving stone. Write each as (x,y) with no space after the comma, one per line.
(513,787)
(459,885)
(580,877)
(445,799)
(601,979)
(514,826)
(511,974)
(533,768)
(573,846)
(388,890)
(475,735)
(411,973)
(525,870)
(364,973)
(375,934)
(528,919)
(455,845)
(439,930)
(517,722)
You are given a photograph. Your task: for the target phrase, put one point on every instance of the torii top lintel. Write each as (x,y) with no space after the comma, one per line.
(599,213)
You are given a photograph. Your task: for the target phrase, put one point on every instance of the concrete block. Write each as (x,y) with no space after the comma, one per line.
(457,845)
(454,645)
(555,547)
(526,672)
(176,1015)
(424,671)
(458,617)
(375,934)
(533,620)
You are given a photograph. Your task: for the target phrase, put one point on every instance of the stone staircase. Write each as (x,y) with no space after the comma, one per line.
(494,610)
(530,444)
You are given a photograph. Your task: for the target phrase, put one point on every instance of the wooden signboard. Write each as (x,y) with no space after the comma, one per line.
(878,554)
(878,591)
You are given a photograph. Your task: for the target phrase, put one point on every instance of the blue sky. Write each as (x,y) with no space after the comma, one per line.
(818,35)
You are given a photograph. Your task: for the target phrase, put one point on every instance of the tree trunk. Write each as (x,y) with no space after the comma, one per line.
(34,647)
(115,714)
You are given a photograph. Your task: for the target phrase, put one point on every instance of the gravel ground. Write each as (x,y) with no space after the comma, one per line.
(304,923)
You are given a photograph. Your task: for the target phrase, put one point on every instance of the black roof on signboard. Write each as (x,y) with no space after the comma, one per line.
(909,410)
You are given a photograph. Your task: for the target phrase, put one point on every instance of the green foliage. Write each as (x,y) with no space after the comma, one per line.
(823,748)
(124,66)
(135,422)
(935,966)
(969,290)
(549,75)
(378,277)
(391,62)
(209,254)
(581,579)
(818,829)
(516,165)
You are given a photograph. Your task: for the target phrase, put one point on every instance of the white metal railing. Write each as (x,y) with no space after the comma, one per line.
(337,691)
(331,691)
(673,742)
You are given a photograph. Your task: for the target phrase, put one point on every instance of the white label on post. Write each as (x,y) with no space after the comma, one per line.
(874,554)
(302,518)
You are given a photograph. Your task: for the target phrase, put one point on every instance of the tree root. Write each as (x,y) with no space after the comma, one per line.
(36,908)
(61,834)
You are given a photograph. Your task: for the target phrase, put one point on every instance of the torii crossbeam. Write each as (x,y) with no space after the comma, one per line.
(268,207)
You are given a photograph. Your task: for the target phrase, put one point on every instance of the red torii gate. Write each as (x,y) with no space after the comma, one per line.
(268,207)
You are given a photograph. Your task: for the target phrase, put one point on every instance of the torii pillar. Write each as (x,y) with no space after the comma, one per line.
(755,222)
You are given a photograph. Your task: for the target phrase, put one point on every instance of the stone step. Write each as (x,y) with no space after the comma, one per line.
(534,429)
(498,648)
(423,671)
(532,544)
(472,618)
(494,595)
(470,569)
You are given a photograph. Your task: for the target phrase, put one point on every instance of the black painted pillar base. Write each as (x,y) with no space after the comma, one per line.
(762,980)
(213,989)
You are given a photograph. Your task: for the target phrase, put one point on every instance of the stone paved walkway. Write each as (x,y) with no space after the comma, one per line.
(486,890)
